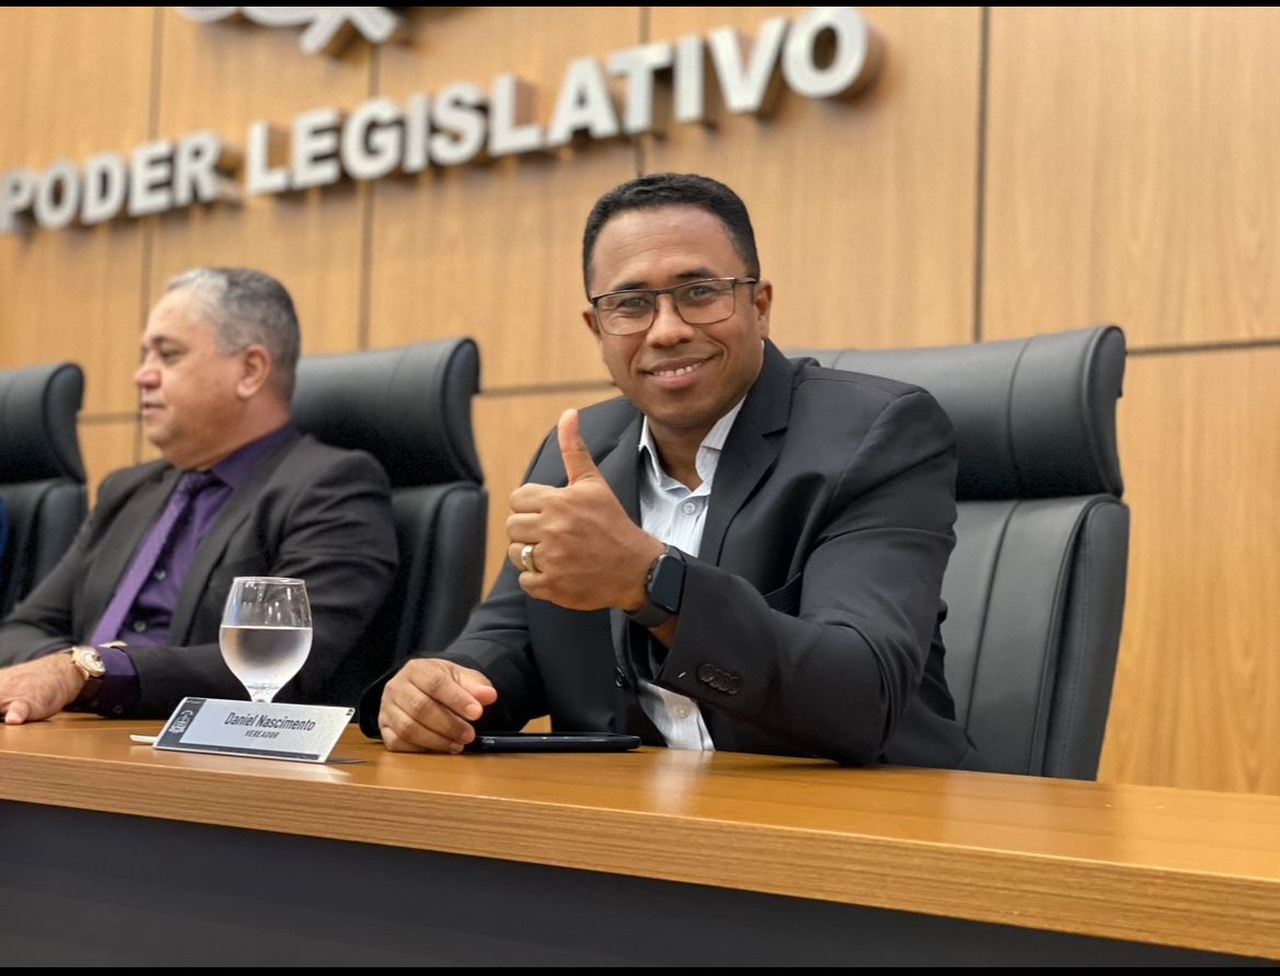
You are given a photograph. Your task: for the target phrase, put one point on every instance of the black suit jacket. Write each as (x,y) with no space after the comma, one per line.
(307,510)
(810,619)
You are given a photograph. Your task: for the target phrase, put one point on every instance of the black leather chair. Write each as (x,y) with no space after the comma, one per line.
(1035,588)
(42,477)
(410,407)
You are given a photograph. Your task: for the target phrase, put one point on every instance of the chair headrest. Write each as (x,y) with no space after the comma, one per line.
(1034,417)
(409,407)
(39,439)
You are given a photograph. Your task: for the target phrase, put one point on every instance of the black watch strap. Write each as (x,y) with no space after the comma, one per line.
(663,590)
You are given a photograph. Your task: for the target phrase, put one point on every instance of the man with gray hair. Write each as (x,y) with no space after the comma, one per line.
(126,624)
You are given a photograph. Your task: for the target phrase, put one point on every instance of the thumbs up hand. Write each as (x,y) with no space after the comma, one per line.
(578,463)
(587,553)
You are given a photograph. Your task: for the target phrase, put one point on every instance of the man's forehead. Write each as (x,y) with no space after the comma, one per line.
(161,337)
(176,313)
(174,330)
(673,243)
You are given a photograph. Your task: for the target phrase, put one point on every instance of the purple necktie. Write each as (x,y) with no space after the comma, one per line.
(190,484)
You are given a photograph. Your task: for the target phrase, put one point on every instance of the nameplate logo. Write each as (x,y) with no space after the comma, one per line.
(328,29)
(264,730)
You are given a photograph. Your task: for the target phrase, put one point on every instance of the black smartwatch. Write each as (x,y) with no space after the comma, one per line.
(663,588)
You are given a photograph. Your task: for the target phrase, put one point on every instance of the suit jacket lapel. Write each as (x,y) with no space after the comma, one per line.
(210,552)
(621,468)
(750,450)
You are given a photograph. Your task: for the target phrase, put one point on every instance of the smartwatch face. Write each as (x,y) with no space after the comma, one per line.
(668,583)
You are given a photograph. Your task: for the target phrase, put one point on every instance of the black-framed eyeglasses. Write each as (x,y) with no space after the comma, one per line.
(702,302)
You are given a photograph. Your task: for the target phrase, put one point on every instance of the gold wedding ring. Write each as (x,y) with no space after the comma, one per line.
(526,558)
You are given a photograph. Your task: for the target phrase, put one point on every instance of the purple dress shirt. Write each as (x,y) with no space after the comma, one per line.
(148,620)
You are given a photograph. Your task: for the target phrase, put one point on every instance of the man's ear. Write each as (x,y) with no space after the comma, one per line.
(255,371)
(589,316)
(763,303)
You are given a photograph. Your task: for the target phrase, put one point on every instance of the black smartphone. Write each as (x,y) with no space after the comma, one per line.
(553,742)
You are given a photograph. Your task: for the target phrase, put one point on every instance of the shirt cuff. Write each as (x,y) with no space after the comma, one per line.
(118,694)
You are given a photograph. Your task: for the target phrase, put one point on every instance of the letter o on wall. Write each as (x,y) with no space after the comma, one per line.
(849,60)
(57,196)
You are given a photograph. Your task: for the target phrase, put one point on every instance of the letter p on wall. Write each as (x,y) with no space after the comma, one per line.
(17,192)
(159,176)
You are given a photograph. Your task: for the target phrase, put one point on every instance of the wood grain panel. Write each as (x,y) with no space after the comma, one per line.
(1131,157)
(509,429)
(76,83)
(1197,694)
(494,251)
(864,208)
(106,446)
(223,77)
(1187,868)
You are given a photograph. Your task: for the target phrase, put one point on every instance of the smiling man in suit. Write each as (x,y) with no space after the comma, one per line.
(739,553)
(126,624)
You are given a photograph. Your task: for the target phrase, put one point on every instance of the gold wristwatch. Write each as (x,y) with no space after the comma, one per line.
(89,663)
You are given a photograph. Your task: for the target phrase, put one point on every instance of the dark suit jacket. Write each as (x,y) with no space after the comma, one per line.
(810,619)
(307,510)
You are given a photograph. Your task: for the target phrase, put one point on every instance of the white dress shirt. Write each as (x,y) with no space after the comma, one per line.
(671,512)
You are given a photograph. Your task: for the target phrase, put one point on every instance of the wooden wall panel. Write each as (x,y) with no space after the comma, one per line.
(864,208)
(1131,170)
(75,82)
(493,251)
(106,446)
(1197,695)
(223,77)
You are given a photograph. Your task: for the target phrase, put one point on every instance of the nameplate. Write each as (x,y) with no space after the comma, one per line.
(264,730)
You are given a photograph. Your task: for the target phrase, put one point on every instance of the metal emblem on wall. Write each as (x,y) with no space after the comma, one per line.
(328,29)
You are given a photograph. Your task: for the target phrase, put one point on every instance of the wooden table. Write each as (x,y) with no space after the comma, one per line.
(115,853)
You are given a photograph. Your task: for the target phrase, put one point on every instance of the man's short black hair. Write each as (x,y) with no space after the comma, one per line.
(674,189)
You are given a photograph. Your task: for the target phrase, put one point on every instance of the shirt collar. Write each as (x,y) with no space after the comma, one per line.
(714,441)
(236,466)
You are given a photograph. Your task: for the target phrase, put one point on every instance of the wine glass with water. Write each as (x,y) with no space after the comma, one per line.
(266,632)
